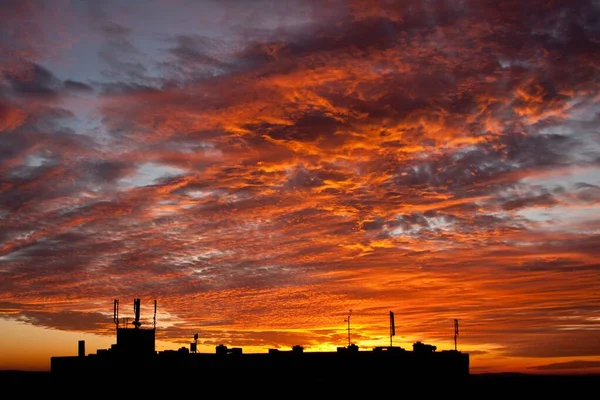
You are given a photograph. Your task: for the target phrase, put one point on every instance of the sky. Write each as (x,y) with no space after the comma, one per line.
(277,173)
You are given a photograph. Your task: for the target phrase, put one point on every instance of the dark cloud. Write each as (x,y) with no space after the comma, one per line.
(77,86)
(120,55)
(301,177)
(469,171)
(578,343)
(543,200)
(68,321)
(103,171)
(198,57)
(569,365)
(39,82)
(309,127)
(119,87)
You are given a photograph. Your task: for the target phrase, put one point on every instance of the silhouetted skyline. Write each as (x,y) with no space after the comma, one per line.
(134,351)
(261,168)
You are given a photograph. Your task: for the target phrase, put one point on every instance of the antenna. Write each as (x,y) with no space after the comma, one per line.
(348,320)
(154,314)
(136,310)
(455,332)
(116,313)
(392,327)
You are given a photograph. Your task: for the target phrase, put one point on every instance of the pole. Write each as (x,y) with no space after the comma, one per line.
(154,322)
(455,332)
(392,327)
(349,314)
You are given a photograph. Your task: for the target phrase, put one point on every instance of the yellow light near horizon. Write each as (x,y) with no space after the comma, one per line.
(27,347)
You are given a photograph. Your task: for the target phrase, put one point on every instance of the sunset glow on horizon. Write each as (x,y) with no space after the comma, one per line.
(260,168)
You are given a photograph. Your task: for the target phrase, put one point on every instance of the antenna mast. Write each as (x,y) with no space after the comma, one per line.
(392,327)
(348,319)
(136,310)
(455,332)
(116,313)
(154,314)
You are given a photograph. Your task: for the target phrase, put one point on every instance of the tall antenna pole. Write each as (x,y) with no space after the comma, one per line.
(349,315)
(154,314)
(136,310)
(116,313)
(392,327)
(455,332)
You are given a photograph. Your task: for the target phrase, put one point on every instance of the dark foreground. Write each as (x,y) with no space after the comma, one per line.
(134,385)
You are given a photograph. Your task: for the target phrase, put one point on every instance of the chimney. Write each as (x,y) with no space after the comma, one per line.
(81,350)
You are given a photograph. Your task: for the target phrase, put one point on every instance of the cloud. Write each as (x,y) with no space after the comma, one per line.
(11,117)
(77,86)
(120,55)
(570,365)
(274,167)
(68,321)
(40,82)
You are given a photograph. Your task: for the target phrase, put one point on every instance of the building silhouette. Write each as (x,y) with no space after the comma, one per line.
(134,352)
